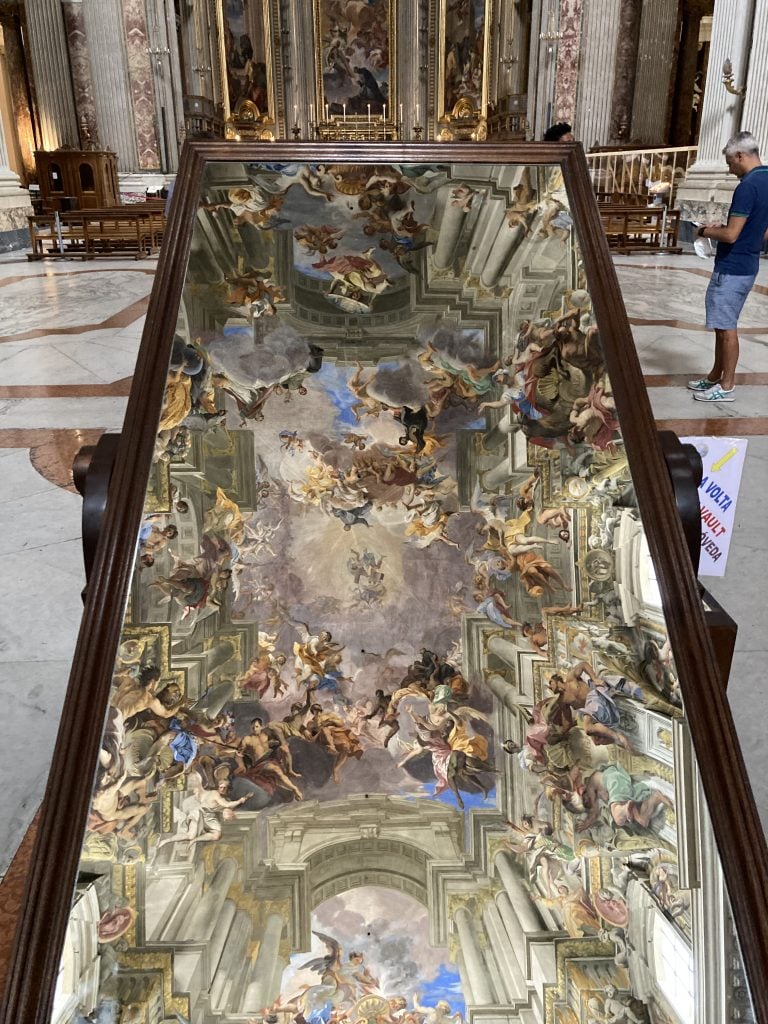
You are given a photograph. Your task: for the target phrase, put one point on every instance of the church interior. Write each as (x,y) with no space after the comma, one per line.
(395,731)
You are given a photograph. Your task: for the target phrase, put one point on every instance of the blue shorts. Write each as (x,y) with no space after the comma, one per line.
(725,299)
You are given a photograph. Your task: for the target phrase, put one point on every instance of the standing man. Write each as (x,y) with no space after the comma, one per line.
(736,264)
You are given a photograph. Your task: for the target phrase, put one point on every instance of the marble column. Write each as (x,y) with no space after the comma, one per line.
(474,962)
(15,206)
(707,188)
(519,894)
(513,930)
(626,70)
(754,117)
(493,478)
(111,85)
(166,81)
(656,64)
(47,40)
(511,972)
(260,991)
(599,38)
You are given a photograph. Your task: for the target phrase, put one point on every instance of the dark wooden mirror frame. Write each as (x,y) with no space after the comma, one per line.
(42,924)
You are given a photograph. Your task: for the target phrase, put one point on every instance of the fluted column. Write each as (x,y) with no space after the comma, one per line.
(518,893)
(111,88)
(599,37)
(755,115)
(260,991)
(626,70)
(53,87)
(655,66)
(474,962)
(705,193)
(721,112)
(512,975)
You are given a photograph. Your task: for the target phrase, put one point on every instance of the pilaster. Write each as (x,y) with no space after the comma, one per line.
(566,75)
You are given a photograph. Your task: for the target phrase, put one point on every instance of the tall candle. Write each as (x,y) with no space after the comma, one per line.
(401,113)
(417,113)
(369,113)
(295,112)
(326,112)
(312,111)
(344,107)
(385,112)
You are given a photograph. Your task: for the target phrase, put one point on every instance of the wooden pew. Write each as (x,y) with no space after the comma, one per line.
(134,230)
(639,229)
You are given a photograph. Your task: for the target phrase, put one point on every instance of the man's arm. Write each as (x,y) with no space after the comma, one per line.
(724,233)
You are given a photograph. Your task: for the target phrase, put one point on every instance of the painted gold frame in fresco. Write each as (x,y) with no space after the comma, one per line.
(43,917)
(355,122)
(451,119)
(261,127)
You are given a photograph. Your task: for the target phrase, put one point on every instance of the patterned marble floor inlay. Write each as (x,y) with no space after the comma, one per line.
(118,389)
(123,318)
(51,452)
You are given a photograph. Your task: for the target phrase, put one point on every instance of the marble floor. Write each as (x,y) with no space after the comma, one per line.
(69,334)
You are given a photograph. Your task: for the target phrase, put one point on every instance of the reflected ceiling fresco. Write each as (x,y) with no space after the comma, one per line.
(395,732)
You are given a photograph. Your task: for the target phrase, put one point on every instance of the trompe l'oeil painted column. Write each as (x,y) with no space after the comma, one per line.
(474,962)
(50,67)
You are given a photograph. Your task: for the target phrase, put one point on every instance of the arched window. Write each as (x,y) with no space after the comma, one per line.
(87,183)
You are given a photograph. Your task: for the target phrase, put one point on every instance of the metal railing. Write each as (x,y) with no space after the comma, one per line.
(655,173)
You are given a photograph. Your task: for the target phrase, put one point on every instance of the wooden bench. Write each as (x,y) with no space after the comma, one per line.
(640,229)
(135,230)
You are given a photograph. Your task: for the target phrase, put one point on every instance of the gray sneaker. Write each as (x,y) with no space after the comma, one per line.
(716,394)
(702,384)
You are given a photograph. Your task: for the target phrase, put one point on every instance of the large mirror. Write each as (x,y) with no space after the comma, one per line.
(398,731)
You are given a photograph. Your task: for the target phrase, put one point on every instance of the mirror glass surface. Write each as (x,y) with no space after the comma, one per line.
(395,733)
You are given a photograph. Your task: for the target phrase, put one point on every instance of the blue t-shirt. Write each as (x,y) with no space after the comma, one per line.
(750,200)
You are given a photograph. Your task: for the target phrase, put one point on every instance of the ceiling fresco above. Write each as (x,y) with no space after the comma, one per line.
(395,732)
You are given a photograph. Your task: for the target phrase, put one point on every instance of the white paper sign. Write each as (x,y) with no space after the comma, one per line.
(723,460)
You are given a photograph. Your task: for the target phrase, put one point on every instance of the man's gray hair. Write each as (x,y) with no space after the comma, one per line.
(742,142)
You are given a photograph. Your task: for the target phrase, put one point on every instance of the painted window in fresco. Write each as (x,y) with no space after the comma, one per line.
(464,52)
(354,55)
(395,733)
(245,55)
